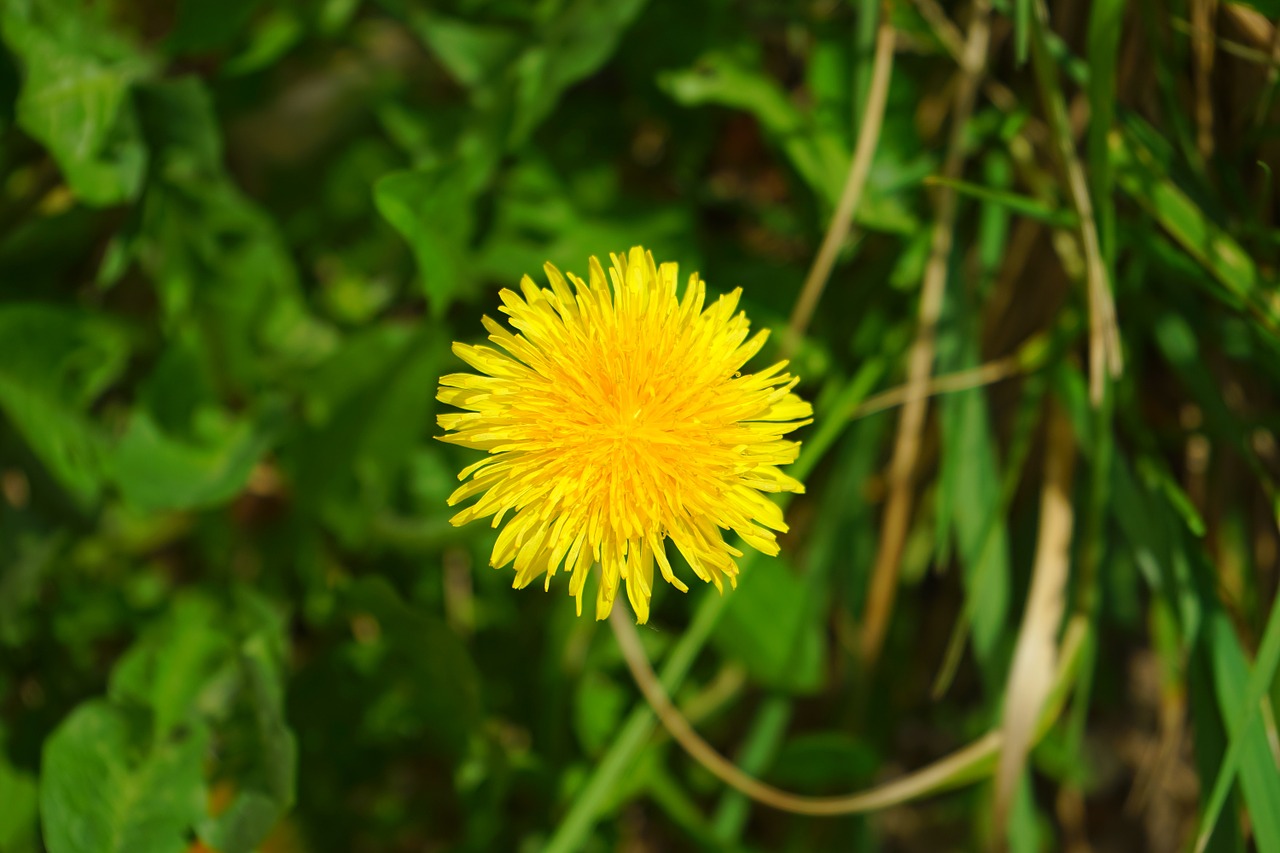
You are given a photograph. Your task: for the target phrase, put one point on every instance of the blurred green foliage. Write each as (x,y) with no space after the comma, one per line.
(237,238)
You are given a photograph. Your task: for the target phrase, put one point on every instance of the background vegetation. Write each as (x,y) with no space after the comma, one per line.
(237,238)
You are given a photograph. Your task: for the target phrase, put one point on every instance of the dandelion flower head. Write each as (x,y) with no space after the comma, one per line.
(615,417)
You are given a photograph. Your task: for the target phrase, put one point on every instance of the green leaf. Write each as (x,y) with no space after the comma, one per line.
(1209,745)
(173,662)
(108,786)
(1240,695)
(473,53)
(1150,532)
(261,748)
(817,154)
(537,219)
(969,485)
(75,95)
(816,149)
(971,472)
(824,761)
(218,262)
(599,703)
(1032,208)
(369,412)
(181,128)
(1106,23)
(156,471)
(768,624)
(431,208)
(19,816)
(274,35)
(570,47)
(54,363)
(1142,178)
(218,666)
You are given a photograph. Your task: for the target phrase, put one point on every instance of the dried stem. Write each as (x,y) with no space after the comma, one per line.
(897,514)
(1105,356)
(1203,13)
(962,380)
(729,773)
(859,168)
(932,778)
(1034,656)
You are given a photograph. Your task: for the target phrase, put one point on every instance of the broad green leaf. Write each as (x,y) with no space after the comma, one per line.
(824,761)
(768,625)
(54,363)
(181,128)
(223,267)
(517,75)
(157,471)
(174,661)
(599,703)
(19,816)
(272,36)
(473,53)
(75,96)
(109,785)
(971,471)
(263,752)
(218,262)
(567,49)
(217,666)
(431,209)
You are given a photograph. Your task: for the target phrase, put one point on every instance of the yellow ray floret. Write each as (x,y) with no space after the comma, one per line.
(616,417)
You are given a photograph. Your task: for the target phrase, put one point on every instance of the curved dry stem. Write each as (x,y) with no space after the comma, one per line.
(859,168)
(1030,677)
(957,768)
(1105,355)
(897,514)
(927,779)
(962,380)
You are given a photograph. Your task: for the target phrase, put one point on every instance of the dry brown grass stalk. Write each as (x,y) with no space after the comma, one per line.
(897,513)
(1035,654)
(859,168)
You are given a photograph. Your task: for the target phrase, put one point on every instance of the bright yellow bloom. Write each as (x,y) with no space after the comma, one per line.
(615,420)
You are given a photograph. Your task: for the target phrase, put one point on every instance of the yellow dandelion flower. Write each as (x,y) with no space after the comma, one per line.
(615,419)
